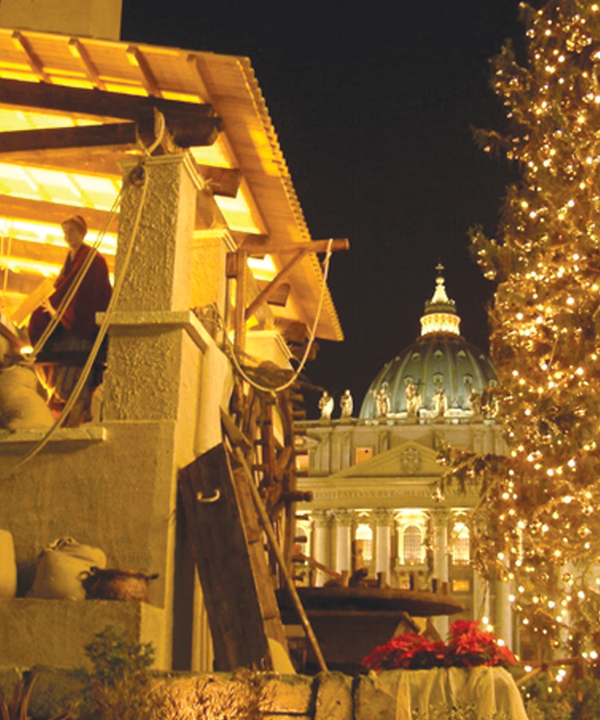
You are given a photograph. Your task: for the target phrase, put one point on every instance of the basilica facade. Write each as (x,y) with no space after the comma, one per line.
(373,477)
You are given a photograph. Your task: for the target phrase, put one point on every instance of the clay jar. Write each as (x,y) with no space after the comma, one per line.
(117,584)
(8,566)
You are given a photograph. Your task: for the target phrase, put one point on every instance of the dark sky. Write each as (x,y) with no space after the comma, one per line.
(373,107)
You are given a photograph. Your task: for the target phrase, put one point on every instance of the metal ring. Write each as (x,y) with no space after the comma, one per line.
(200,497)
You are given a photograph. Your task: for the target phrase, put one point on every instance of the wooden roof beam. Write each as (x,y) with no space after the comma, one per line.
(198,134)
(64,99)
(314,246)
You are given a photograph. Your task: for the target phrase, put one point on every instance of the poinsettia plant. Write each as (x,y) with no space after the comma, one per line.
(468,646)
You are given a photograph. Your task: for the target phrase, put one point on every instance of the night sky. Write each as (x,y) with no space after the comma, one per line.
(373,104)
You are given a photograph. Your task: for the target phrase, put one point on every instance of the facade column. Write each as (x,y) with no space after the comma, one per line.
(343,539)
(440,561)
(383,518)
(503,620)
(481,597)
(322,522)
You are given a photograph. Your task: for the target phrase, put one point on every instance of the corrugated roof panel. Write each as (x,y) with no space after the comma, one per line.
(249,141)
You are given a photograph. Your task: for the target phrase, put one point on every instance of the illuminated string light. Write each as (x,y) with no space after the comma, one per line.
(545,335)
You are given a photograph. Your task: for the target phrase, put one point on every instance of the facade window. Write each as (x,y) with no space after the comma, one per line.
(362,453)
(461,544)
(412,546)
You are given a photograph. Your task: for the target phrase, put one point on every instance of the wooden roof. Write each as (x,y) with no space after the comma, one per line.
(35,181)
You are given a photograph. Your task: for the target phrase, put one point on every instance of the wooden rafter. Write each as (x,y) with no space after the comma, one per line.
(22,43)
(137,59)
(79,50)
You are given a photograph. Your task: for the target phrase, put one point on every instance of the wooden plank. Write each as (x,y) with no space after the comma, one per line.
(222,558)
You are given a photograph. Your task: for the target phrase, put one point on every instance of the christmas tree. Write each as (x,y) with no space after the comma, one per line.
(538,522)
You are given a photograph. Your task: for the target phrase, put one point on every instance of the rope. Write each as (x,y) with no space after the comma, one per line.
(311,339)
(101,332)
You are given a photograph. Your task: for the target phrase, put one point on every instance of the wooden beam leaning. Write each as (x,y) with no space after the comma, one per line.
(265,294)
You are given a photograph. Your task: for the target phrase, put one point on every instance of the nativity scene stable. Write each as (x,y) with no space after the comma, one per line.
(207,248)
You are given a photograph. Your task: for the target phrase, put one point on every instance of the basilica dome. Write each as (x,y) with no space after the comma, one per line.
(440,375)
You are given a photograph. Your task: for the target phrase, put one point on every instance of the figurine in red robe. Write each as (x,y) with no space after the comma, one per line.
(75,333)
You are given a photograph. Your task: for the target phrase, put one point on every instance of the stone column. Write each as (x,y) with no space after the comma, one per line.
(503,620)
(343,539)
(440,560)
(481,597)
(322,522)
(383,518)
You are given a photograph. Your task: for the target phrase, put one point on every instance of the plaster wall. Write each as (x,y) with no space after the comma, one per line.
(55,632)
(88,18)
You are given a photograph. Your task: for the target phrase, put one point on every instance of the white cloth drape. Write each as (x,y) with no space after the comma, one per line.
(489,689)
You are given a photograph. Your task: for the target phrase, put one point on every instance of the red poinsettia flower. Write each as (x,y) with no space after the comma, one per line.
(468,646)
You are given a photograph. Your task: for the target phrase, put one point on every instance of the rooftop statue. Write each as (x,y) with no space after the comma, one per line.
(346,404)
(326,405)
(382,400)
(413,399)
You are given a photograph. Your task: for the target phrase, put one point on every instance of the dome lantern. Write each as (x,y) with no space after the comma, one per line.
(440,312)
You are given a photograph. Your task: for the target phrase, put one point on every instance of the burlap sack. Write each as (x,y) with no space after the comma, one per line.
(62,567)
(21,406)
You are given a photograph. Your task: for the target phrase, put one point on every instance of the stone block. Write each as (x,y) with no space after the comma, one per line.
(282,694)
(215,696)
(334,697)
(375,696)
